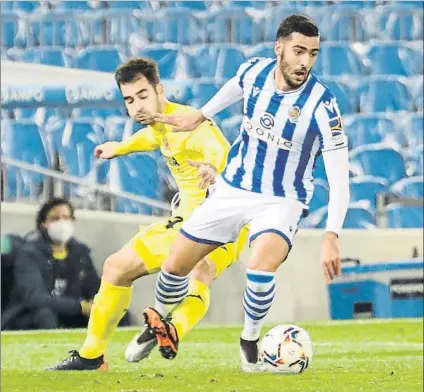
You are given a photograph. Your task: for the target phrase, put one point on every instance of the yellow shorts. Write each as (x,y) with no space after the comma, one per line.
(153,244)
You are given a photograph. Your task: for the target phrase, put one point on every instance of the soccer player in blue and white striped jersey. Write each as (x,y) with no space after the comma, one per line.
(290,118)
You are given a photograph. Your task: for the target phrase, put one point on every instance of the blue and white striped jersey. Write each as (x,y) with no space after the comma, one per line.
(282,133)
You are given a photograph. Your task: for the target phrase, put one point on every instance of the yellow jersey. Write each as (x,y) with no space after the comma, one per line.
(205,144)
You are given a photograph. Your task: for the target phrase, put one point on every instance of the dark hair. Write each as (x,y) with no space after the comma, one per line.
(48,206)
(134,68)
(297,24)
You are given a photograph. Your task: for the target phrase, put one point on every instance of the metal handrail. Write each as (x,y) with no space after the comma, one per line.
(84,183)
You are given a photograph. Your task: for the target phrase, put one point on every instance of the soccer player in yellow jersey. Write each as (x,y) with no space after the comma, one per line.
(194,159)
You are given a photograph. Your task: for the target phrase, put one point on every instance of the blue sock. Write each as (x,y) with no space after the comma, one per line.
(170,291)
(258,297)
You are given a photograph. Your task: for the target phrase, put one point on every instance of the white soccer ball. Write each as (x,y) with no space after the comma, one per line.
(286,349)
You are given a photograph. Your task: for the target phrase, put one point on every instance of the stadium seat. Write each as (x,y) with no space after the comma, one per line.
(409,187)
(179,92)
(25,6)
(219,62)
(75,143)
(413,129)
(231,127)
(367,188)
(344,94)
(9,28)
(124,4)
(165,55)
(320,197)
(272,17)
(101,113)
(116,127)
(369,128)
(73,5)
(24,141)
(400,216)
(232,25)
(261,50)
(392,58)
(105,59)
(46,55)
(319,169)
(378,94)
(193,5)
(6,6)
(419,97)
(380,160)
(399,24)
(337,59)
(418,160)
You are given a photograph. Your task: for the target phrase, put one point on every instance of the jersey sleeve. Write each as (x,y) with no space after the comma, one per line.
(143,140)
(209,141)
(330,130)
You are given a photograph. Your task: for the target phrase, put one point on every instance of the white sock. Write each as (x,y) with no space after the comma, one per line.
(170,291)
(258,297)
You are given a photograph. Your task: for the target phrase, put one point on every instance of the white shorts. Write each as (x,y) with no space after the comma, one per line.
(222,215)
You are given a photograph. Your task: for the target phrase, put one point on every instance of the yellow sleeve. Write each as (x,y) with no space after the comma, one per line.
(143,140)
(208,140)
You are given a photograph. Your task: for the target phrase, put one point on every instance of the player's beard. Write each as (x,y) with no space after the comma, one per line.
(284,67)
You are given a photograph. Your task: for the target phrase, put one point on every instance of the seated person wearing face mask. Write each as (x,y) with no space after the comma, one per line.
(54,275)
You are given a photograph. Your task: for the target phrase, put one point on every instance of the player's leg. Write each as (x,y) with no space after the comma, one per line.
(272,234)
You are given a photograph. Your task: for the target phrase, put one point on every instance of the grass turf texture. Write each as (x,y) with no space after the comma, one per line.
(373,356)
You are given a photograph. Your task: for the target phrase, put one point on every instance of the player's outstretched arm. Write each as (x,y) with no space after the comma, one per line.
(229,93)
(106,150)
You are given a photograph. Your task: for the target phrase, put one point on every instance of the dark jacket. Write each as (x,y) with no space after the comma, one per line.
(35,274)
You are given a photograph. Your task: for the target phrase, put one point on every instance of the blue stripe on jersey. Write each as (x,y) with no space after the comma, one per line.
(288,130)
(258,170)
(253,63)
(240,172)
(305,156)
(250,107)
(234,150)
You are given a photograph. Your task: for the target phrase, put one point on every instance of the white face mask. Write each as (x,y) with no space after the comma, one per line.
(61,231)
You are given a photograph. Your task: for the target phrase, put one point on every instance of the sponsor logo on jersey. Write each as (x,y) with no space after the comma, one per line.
(266,135)
(294,113)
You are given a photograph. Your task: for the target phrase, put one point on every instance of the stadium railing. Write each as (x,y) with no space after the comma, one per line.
(84,193)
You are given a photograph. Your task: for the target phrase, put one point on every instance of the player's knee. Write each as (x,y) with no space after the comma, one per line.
(204,271)
(121,269)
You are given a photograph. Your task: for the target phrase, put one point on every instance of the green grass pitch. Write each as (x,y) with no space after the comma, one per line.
(375,356)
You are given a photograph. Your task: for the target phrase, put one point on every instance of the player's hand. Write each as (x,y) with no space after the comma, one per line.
(181,122)
(86,307)
(205,171)
(144,118)
(330,256)
(106,150)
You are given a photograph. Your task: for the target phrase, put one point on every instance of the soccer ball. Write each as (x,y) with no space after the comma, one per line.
(286,349)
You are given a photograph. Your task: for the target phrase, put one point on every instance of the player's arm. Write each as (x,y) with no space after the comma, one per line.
(143,140)
(333,143)
(230,93)
(209,142)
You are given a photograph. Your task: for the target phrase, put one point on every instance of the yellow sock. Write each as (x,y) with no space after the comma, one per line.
(192,309)
(109,306)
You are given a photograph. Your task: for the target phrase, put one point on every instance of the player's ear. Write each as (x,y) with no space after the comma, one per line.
(278,48)
(160,89)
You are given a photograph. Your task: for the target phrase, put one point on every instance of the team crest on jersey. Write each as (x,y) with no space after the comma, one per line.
(165,143)
(294,113)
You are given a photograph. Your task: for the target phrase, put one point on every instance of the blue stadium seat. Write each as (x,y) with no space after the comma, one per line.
(24,113)
(320,197)
(105,59)
(6,6)
(414,129)
(46,55)
(116,127)
(138,174)
(247,3)
(75,143)
(232,25)
(392,58)
(379,160)
(400,216)
(124,4)
(336,59)
(202,92)
(378,94)
(346,97)
(369,128)
(9,28)
(165,55)
(193,5)
(400,24)
(179,92)
(418,160)
(319,169)
(219,62)
(24,141)
(419,97)
(180,27)
(367,188)
(273,16)
(25,6)
(261,50)
(73,5)
(231,127)
(410,187)
(358,217)
(101,113)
